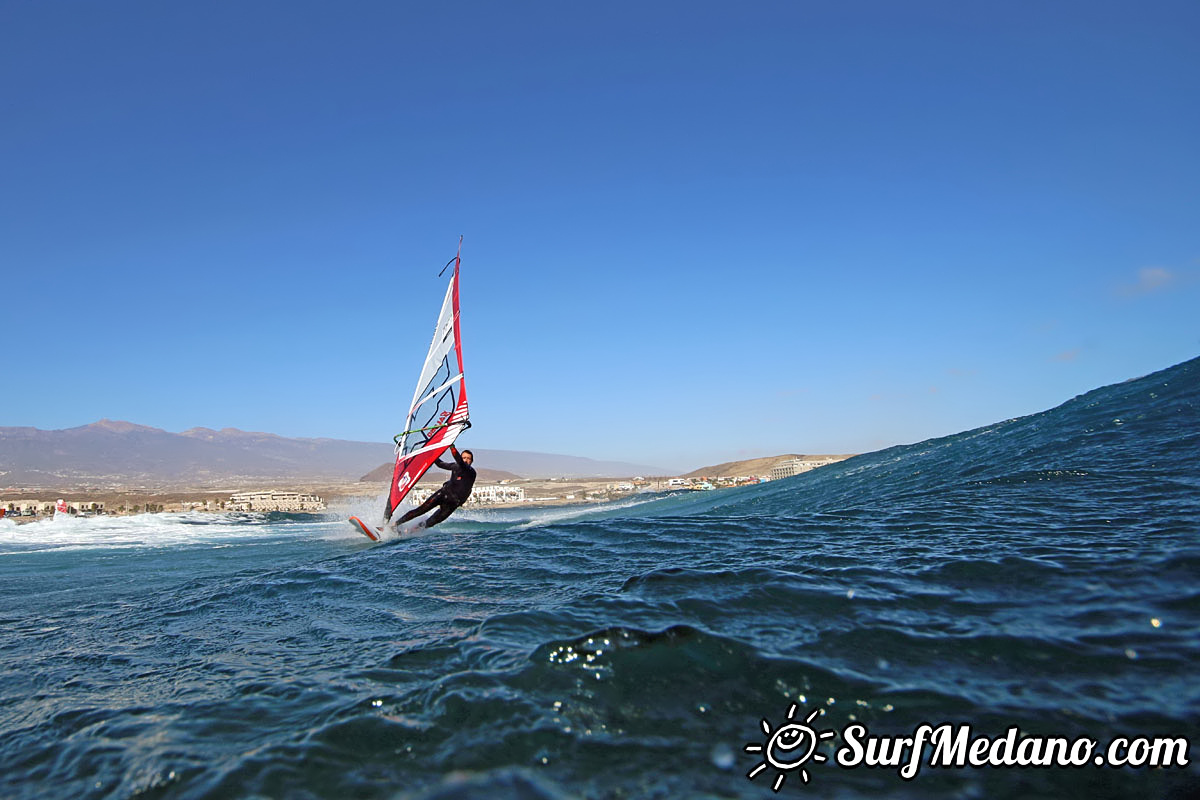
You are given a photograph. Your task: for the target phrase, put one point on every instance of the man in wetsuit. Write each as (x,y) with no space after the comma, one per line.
(453,493)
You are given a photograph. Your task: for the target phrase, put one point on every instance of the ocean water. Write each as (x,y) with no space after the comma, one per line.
(1042,573)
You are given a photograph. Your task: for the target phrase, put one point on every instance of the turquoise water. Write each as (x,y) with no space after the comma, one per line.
(1042,572)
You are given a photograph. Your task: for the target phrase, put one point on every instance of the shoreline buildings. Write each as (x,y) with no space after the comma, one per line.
(480,495)
(274,501)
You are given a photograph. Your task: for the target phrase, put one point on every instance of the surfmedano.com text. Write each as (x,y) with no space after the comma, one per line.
(954,746)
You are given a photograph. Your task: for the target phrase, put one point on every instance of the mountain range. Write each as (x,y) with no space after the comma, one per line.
(115,453)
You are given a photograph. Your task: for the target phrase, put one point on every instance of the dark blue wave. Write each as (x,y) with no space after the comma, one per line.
(1042,572)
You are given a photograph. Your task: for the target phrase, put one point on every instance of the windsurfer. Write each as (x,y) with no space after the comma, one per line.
(453,493)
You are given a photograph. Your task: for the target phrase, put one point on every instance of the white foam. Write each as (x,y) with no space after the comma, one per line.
(146,530)
(522,517)
(178,529)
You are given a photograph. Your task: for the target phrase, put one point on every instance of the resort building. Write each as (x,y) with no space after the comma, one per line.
(480,495)
(274,501)
(794,466)
(487,495)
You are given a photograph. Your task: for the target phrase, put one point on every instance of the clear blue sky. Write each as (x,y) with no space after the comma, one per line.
(694,231)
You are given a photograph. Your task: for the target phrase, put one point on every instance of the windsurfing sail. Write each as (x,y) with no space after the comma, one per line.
(438,413)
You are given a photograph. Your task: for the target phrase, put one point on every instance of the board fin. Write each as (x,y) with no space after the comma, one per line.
(369,531)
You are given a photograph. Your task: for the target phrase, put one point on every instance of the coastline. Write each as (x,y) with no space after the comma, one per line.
(126,500)
(120,502)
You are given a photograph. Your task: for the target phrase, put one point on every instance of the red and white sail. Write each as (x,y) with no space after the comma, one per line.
(438,413)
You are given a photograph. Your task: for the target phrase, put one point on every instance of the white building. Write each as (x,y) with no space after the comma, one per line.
(275,501)
(480,495)
(794,466)
(486,495)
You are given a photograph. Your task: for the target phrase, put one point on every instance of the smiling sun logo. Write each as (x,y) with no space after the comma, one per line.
(788,747)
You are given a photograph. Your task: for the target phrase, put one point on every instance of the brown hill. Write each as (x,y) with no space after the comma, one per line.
(753,466)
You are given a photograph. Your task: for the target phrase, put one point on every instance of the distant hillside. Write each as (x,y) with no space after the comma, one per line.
(109,452)
(113,453)
(752,466)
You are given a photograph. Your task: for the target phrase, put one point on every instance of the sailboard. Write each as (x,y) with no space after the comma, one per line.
(438,412)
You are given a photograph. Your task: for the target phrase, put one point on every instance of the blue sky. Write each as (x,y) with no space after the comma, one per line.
(694,232)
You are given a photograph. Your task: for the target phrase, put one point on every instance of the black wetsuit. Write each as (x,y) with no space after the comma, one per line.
(453,493)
